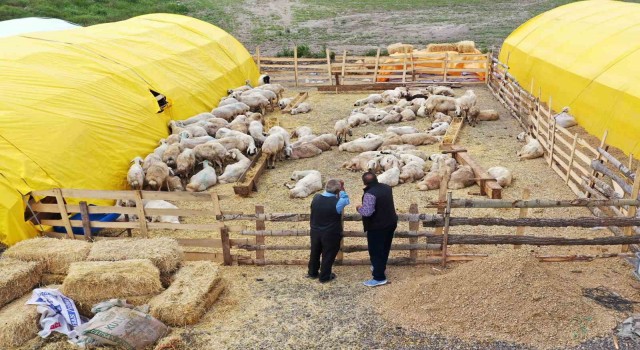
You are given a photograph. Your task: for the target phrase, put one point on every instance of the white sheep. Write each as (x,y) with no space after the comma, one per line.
(284,102)
(240,88)
(248,140)
(360,162)
(302,131)
(564,119)
(397,147)
(357,119)
(438,129)
(461,178)
(196,130)
(330,139)
(159,151)
(431,181)
(174,183)
(170,156)
(373,98)
(440,160)
(440,90)
(195,119)
(391,138)
(408,115)
(362,144)
(402,130)
(412,171)
(156,175)
(256,102)
(193,142)
(390,177)
(268,94)
(438,103)
(533,149)
(185,163)
(203,179)
(308,182)
(465,102)
(391,118)
(161,204)
(301,108)
(419,139)
(231,110)
(212,151)
(502,175)
(214,124)
(272,149)
(275,88)
(227,101)
(342,130)
(135,175)
(441,117)
(256,130)
(304,150)
(150,159)
(233,171)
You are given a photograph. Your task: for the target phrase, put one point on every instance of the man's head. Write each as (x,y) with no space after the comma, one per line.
(333,186)
(369,178)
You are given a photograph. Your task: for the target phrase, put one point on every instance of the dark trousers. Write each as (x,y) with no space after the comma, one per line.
(379,242)
(326,245)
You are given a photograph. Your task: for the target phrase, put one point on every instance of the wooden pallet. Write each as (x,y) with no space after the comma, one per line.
(248,182)
(296,101)
(453,131)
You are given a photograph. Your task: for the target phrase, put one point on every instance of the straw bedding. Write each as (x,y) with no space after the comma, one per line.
(466,46)
(16,278)
(510,297)
(442,47)
(52,278)
(164,253)
(196,287)
(57,254)
(18,323)
(93,281)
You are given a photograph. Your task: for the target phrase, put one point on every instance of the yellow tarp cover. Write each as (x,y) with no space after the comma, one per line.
(584,55)
(76,106)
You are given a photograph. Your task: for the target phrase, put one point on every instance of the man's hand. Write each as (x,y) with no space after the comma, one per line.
(341,185)
(358,207)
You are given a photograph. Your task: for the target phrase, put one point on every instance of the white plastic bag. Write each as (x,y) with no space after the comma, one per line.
(57,312)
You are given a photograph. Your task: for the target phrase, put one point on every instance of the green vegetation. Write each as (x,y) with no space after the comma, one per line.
(306,52)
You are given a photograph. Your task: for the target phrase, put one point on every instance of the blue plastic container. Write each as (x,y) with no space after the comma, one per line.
(93,217)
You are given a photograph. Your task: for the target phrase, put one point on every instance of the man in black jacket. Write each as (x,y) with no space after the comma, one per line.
(380,220)
(326,229)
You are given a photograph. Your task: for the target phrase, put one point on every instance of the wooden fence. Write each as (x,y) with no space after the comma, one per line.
(53,209)
(349,70)
(590,172)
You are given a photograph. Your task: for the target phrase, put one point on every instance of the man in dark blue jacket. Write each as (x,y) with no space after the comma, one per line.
(326,229)
(380,220)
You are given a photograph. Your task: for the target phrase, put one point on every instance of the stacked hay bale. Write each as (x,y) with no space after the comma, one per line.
(91,282)
(164,253)
(17,277)
(442,47)
(196,287)
(399,48)
(55,255)
(18,323)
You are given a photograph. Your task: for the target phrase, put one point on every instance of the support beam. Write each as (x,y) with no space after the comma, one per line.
(536,222)
(490,188)
(537,203)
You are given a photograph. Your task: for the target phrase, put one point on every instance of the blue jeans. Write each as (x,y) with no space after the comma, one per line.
(379,242)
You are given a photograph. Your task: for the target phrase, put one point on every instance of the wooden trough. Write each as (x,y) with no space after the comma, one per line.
(296,101)
(450,138)
(488,186)
(248,182)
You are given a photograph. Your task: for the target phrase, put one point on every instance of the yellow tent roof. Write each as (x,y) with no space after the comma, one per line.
(584,55)
(76,105)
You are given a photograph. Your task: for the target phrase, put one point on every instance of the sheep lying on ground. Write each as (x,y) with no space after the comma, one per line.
(362,144)
(284,102)
(161,204)
(233,171)
(373,98)
(301,108)
(412,171)
(203,179)
(438,129)
(330,139)
(502,175)
(135,175)
(419,139)
(461,178)
(440,160)
(360,162)
(438,103)
(304,150)
(402,130)
(308,182)
(564,119)
(302,131)
(431,181)
(440,90)
(533,149)
(390,177)
(441,117)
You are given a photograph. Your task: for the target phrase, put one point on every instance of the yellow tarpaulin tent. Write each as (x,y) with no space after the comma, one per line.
(584,55)
(76,105)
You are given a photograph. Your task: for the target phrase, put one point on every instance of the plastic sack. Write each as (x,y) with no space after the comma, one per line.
(58,313)
(124,327)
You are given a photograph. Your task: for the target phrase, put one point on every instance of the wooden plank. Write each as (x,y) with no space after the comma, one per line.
(445,232)
(535,203)
(260,240)
(329,66)
(248,182)
(628,231)
(377,66)
(257,57)
(97,194)
(96,224)
(86,221)
(141,214)
(446,67)
(226,246)
(523,214)
(490,188)
(295,63)
(194,227)
(344,63)
(553,142)
(93,209)
(571,158)
(200,242)
(413,226)
(206,256)
(177,196)
(594,173)
(215,200)
(63,212)
(64,236)
(452,133)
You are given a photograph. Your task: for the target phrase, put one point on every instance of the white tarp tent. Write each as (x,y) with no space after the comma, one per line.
(31,25)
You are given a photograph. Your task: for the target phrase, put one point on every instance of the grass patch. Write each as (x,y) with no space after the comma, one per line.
(304,51)
(374,52)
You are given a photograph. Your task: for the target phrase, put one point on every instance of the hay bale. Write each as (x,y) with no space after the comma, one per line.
(18,323)
(52,278)
(466,46)
(17,277)
(89,281)
(196,287)
(164,253)
(442,47)
(84,306)
(56,254)
(399,48)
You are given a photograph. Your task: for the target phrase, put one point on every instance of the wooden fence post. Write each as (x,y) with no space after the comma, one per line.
(258,59)
(413,67)
(404,68)
(344,64)
(375,69)
(63,213)
(226,246)
(628,231)
(328,52)
(86,220)
(445,232)
(489,68)
(142,218)
(523,214)
(260,240)
(414,226)
(340,255)
(295,63)
(594,173)
(446,67)
(571,157)
(552,142)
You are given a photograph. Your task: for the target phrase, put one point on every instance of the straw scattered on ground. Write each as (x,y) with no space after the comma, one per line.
(52,278)
(57,254)
(164,253)
(196,287)
(509,297)
(94,281)
(17,277)
(18,323)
